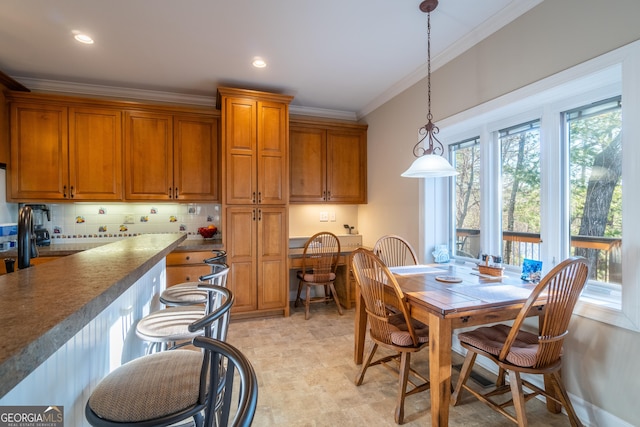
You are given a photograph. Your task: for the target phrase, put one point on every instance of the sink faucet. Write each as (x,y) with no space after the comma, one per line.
(26,238)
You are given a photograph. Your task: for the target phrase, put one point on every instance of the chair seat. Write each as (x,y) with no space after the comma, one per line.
(184,294)
(170,324)
(400,333)
(491,340)
(150,387)
(316,278)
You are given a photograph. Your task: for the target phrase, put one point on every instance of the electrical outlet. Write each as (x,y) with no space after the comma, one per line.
(332,216)
(324,216)
(128,219)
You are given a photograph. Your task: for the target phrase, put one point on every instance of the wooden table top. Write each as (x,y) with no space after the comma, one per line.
(474,292)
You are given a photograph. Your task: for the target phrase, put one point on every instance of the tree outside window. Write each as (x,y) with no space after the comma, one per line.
(594,136)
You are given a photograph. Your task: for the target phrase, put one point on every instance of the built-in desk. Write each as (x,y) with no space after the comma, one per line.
(344,281)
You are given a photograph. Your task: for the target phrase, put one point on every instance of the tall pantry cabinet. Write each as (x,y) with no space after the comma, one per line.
(255,166)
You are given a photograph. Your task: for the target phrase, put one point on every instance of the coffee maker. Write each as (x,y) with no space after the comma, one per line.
(40,212)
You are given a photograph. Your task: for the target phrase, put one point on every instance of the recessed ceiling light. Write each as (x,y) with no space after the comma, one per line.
(82,38)
(259,62)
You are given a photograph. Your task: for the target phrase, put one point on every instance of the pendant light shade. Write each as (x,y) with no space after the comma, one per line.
(429,166)
(429,150)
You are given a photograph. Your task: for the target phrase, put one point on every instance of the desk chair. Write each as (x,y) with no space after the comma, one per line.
(164,388)
(519,352)
(395,251)
(393,330)
(319,265)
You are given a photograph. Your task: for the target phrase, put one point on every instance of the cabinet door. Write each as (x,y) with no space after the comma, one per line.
(239,146)
(39,152)
(241,246)
(195,158)
(95,154)
(273,273)
(308,164)
(148,156)
(273,150)
(346,167)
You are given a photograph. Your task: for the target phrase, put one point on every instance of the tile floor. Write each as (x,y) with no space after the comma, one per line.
(305,373)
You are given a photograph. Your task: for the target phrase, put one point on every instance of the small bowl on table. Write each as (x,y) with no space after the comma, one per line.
(207,232)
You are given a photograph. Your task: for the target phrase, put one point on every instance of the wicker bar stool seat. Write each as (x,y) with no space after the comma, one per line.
(169,327)
(187,293)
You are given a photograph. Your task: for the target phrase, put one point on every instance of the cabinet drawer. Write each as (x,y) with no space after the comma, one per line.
(186,273)
(181,258)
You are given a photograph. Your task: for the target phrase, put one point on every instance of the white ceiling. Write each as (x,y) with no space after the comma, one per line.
(337,57)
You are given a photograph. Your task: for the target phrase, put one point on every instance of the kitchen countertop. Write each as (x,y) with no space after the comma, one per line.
(43,306)
(64,249)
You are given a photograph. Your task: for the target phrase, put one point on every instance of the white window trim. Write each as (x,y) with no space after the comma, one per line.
(591,81)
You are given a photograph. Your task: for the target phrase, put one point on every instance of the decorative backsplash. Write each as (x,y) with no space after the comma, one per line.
(78,221)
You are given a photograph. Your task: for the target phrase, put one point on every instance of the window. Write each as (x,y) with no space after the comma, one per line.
(593,136)
(465,156)
(520,160)
(542,169)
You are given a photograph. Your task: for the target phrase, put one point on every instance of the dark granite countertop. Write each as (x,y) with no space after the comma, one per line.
(64,249)
(43,306)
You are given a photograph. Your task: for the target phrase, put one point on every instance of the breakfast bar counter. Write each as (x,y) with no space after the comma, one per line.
(44,307)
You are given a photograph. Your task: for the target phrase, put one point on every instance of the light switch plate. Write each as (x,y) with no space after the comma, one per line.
(332,216)
(128,219)
(324,216)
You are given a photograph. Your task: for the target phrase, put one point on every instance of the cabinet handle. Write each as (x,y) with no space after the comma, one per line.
(64,192)
(328,195)
(176,193)
(170,193)
(259,196)
(324,195)
(253,214)
(253,197)
(71,192)
(259,214)
(188,257)
(188,278)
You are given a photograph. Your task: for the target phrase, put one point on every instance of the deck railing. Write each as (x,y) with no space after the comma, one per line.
(604,252)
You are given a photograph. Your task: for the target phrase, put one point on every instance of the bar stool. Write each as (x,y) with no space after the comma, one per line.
(169,327)
(188,293)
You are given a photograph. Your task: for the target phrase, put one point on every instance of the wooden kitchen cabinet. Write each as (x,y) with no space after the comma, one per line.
(328,162)
(257,252)
(255,142)
(61,152)
(171,157)
(186,266)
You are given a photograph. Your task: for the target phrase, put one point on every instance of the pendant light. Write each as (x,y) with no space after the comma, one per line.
(429,150)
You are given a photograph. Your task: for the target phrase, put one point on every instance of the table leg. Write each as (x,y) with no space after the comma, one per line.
(360,327)
(440,369)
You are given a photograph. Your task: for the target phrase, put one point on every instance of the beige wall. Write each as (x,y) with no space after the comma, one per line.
(557,34)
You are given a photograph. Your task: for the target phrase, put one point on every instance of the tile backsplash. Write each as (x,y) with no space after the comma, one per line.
(71,223)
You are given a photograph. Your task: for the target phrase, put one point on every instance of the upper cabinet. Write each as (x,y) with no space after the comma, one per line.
(171,157)
(255,146)
(328,162)
(80,149)
(61,152)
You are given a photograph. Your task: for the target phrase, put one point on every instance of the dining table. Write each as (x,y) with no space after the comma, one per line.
(448,297)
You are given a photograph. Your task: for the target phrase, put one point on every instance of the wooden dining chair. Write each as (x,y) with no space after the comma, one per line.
(389,329)
(395,251)
(319,265)
(517,352)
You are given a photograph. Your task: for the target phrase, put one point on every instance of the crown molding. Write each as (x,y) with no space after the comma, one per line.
(495,23)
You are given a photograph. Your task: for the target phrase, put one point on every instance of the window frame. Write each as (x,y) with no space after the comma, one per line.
(612,74)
